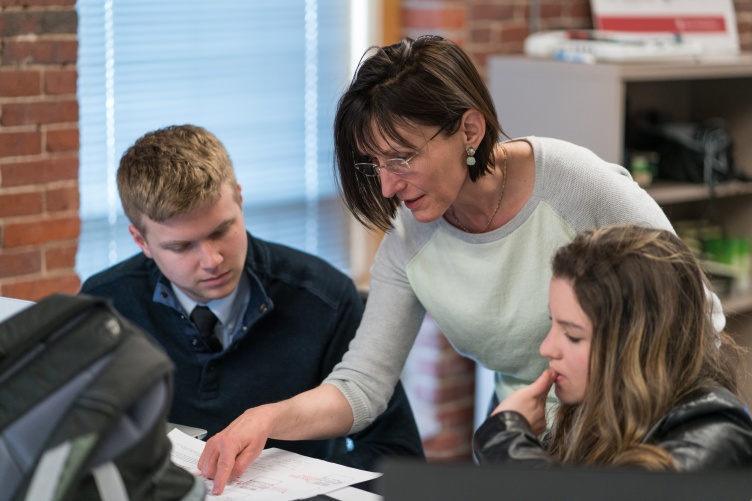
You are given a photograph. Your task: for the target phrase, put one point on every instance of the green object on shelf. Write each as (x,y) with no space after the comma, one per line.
(642,168)
(743,250)
(720,250)
(731,251)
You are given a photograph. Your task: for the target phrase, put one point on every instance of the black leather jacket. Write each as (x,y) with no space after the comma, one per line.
(710,429)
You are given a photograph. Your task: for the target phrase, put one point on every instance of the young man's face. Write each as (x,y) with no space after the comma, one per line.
(202,252)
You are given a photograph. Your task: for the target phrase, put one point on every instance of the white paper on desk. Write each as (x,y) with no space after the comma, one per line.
(275,475)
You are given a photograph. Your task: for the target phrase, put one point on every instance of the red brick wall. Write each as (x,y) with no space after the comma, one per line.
(744,23)
(39,223)
(438,380)
(441,388)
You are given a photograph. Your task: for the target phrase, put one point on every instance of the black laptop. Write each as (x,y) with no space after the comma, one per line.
(409,481)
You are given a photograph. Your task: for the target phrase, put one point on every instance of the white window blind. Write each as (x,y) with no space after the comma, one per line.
(263,76)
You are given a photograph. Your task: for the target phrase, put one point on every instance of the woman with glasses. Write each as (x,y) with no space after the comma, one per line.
(471,224)
(643,379)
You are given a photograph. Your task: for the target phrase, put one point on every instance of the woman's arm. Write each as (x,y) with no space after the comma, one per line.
(358,389)
(370,369)
(320,413)
(393,434)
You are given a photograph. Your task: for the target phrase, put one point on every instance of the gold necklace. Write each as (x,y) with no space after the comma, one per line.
(498,204)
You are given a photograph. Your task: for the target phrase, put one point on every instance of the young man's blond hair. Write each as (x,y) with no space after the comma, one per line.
(173,171)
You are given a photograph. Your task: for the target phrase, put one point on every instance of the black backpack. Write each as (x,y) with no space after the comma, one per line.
(84,397)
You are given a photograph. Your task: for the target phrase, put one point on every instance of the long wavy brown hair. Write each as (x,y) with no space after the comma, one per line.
(653,343)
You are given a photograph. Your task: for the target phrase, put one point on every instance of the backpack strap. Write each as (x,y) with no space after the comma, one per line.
(48,473)
(109,482)
(50,476)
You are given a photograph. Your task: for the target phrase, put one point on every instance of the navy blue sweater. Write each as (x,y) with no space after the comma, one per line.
(302,316)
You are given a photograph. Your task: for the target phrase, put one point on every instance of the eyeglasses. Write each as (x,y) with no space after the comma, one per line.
(393,165)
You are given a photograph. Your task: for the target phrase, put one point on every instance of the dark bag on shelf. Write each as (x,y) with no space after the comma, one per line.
(84,397)
(689,152)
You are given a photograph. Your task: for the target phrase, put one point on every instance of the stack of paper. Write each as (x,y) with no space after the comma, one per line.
(276,474)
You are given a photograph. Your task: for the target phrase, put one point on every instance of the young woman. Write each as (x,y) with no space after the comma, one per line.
(643,378)
(471,225)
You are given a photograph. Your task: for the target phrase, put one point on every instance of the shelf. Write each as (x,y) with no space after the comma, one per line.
(679,68)
(588,104)
(737,301)
(666,192)
(723,270)
(684,68)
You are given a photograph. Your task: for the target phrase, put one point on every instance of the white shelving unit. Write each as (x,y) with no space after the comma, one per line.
(666,193)
(590,105)
(734,207)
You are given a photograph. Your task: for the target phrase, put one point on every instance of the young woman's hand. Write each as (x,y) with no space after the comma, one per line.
(530,401)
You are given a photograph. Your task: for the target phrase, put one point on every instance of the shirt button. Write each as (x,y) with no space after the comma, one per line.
(164,295)
(263,308)
(195,342)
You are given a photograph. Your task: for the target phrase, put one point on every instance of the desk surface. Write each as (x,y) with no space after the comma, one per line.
(191,431)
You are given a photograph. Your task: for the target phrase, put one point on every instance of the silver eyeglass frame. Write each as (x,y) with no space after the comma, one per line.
(393,165)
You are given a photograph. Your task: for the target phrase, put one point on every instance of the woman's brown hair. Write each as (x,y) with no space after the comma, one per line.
(428,82)
(653,343)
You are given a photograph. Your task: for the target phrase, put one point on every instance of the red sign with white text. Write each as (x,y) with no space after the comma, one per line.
(709,23)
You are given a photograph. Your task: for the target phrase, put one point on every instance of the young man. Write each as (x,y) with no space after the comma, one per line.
(278,320)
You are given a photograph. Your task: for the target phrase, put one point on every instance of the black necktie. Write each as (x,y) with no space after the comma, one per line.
(205,321)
